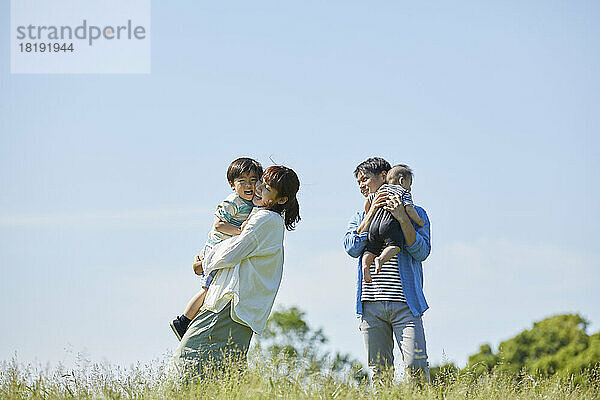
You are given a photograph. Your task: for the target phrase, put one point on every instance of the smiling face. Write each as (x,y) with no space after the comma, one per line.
(257,197)
(369,182)
(265,195)
(244,185)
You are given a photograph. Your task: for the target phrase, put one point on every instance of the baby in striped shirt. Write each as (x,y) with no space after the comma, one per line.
(231,213)
(385,235)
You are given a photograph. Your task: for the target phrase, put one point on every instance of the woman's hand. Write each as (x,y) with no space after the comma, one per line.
(198,265)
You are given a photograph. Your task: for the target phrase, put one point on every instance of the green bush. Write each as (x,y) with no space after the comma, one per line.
(557,345)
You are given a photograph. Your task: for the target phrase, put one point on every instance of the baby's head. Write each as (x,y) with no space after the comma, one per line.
(401,175)
(242,175)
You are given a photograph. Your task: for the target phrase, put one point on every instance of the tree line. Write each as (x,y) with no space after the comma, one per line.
(558,345)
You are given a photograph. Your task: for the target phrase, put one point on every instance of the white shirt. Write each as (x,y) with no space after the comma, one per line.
(249,268)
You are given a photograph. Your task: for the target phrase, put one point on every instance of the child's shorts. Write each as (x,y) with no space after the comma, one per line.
(206,280)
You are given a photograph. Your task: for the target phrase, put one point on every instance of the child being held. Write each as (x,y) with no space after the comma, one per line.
(231,213)
(384,231)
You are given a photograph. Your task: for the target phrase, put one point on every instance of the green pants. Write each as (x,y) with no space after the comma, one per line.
(212,342)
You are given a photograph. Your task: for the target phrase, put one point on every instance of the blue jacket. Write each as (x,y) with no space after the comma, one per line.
(409,261)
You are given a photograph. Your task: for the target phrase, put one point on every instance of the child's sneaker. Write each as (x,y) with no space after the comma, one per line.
(179,326)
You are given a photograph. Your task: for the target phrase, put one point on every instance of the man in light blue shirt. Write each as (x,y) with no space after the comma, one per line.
(393,303)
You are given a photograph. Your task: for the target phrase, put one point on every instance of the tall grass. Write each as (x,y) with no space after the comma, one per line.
(261,381)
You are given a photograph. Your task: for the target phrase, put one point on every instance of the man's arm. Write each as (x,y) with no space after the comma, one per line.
(378,201)
(417,241)
(354,242)
(355,238)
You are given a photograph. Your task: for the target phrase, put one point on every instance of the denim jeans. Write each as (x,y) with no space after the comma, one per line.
(380,321)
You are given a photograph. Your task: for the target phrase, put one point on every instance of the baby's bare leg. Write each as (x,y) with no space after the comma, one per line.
(385,256)
(195,303)
(412,213)
(367,260)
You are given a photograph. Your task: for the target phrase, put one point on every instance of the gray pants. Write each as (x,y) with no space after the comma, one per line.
(380,321)
(212,342)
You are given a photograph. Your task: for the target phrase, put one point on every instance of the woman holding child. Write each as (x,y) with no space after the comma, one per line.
(248,268)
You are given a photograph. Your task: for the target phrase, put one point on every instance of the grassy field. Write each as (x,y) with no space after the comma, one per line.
(102,381)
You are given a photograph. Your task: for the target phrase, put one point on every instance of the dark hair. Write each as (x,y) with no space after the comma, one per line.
(285,181)
(397,171)
(243,166)
(374,165)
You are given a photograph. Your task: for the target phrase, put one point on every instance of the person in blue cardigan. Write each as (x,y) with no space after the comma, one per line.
(392,304)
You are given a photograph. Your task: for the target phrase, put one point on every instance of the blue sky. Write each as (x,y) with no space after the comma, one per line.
(109,181)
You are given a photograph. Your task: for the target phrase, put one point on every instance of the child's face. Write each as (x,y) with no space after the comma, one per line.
(244,185)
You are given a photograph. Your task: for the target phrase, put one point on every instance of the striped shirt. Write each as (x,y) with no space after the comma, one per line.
(386,285)
(410,261)
(404,194)
(234,210)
